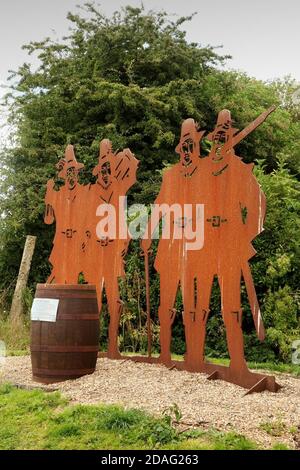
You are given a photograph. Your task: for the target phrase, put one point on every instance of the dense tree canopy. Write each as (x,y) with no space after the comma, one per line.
(133,78)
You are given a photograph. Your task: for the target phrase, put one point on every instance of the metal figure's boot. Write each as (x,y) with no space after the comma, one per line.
(195,332)
(235,339)
(113,330)
(165,335)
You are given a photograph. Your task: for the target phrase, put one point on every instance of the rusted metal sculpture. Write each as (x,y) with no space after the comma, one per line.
(104,257)
(179,186)
(77,249)
(65,208)
(234,210)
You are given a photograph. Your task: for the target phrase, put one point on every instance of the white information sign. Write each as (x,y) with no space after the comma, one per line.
(44,310)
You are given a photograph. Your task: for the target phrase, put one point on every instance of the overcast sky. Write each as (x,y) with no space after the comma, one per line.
(263,36)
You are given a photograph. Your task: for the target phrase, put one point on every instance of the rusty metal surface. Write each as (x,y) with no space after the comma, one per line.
(147,282)
(234,211)
(76,246)
(63,206)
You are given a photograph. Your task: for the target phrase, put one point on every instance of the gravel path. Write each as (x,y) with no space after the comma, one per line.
(203,403)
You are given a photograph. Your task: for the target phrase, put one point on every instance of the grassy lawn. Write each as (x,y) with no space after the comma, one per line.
(276,367)
(40,420)
(15,337)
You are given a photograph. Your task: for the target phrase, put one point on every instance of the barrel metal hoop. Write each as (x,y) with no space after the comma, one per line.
(64,372)
(77,316)
(62,349)
(66,287)
(43,293)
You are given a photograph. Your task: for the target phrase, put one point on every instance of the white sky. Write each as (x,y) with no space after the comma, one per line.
(263,36)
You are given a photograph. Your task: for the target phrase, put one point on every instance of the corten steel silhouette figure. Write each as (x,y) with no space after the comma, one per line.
(234,208)
(64,206)
(104,256)
(234,214)
(179,186)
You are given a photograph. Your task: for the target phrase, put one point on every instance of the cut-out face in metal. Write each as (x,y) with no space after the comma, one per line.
(221,133)
(189,146)
(68,168)
(187,152)
(72,177)
(216,154)
(221,137)
(104,175)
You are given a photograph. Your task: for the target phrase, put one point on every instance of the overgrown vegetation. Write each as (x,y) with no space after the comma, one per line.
(39,420)
(15,337)
(133,78)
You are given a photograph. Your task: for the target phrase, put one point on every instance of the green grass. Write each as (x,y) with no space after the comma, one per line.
(275,367)
(39,420)
(275,428)
(280,446)
(15,337)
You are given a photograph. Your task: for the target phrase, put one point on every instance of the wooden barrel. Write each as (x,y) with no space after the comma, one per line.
(67,348)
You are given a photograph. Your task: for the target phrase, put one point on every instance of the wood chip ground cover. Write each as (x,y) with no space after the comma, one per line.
(266,418)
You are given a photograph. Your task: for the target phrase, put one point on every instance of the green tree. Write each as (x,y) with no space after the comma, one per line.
(111,78)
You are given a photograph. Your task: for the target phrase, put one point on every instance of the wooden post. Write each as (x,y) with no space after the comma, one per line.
(16,310)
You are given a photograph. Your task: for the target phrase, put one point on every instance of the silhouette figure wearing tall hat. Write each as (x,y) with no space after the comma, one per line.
(179,187)
(63,206)
(104,253)
(234,214)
